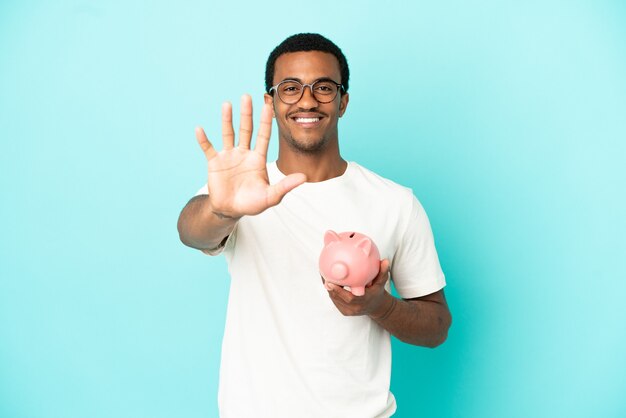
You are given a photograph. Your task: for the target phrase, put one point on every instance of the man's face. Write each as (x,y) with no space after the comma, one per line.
(295,125)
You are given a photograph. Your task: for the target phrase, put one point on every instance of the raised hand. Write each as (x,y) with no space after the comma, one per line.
(238,182)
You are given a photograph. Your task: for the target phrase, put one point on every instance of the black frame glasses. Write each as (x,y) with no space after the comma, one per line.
(320,95)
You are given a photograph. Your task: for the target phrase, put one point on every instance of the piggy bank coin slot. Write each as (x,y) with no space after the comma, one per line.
(352,235)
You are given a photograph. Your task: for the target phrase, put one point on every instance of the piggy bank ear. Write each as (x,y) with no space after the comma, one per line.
(331,236)
(365,244)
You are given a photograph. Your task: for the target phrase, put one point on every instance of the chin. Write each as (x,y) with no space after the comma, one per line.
(310,146)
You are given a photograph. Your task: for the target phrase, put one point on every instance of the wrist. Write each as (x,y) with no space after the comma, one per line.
(220,213)
(386,308)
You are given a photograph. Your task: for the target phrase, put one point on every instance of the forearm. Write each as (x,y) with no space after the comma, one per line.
(202,228)
(416,321)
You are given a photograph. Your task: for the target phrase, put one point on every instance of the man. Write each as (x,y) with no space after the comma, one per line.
(295,346)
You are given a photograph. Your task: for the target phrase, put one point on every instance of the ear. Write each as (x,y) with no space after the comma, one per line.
(365,244)
(331,236)
(343,103)
(269,99)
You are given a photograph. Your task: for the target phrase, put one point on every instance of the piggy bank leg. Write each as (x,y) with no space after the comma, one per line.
(358,291)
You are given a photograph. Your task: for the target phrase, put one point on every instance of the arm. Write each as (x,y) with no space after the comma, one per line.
(422,321)
(419,321)
(237,181)
(201,227)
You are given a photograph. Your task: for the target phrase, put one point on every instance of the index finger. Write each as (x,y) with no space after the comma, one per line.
(265,130)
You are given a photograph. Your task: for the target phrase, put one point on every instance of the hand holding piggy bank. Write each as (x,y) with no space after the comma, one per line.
(349,259)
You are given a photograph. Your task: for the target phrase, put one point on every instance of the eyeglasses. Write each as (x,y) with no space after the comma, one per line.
(291,91)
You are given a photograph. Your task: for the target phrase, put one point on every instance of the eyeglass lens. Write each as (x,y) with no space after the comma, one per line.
(291,91)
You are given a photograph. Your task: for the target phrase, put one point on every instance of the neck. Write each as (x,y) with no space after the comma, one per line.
(316,167)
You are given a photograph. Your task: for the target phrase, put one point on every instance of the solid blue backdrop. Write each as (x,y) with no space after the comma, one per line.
(506,119)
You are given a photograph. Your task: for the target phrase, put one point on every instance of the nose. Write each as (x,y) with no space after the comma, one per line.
(307,101)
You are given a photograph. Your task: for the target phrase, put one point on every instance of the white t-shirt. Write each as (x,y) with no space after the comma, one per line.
(287,350)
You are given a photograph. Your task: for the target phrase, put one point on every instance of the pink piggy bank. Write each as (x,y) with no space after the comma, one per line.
(349,259)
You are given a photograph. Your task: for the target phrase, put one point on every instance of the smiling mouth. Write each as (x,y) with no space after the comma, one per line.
(306,120)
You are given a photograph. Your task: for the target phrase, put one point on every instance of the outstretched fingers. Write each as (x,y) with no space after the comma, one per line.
(204,143)
(228,134)
(245,124)
(265,130)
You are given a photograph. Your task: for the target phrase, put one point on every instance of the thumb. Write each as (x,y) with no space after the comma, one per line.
(205,144)
(276,192)
(383,274)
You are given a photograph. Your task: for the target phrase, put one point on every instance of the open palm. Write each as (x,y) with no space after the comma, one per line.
(238,182)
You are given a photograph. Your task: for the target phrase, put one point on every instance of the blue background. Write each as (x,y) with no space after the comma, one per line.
(506,118)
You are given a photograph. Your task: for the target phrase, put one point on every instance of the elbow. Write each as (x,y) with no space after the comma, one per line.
(433,338)
(183,240)
(442,335)
(182,232)
(438,340)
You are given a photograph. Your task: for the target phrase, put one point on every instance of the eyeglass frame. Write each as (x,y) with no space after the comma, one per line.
(340,88)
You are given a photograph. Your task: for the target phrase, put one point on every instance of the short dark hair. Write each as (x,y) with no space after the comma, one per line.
(306,42)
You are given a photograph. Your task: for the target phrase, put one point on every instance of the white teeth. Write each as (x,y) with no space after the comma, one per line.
(307,120)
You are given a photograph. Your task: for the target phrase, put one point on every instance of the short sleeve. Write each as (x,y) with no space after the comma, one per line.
(203,190)
(228,242)
(415,269)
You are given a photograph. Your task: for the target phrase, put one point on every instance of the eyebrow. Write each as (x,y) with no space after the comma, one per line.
(314,81)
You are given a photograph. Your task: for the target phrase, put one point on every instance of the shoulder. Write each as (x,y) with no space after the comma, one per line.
(382,186)
(393,197)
